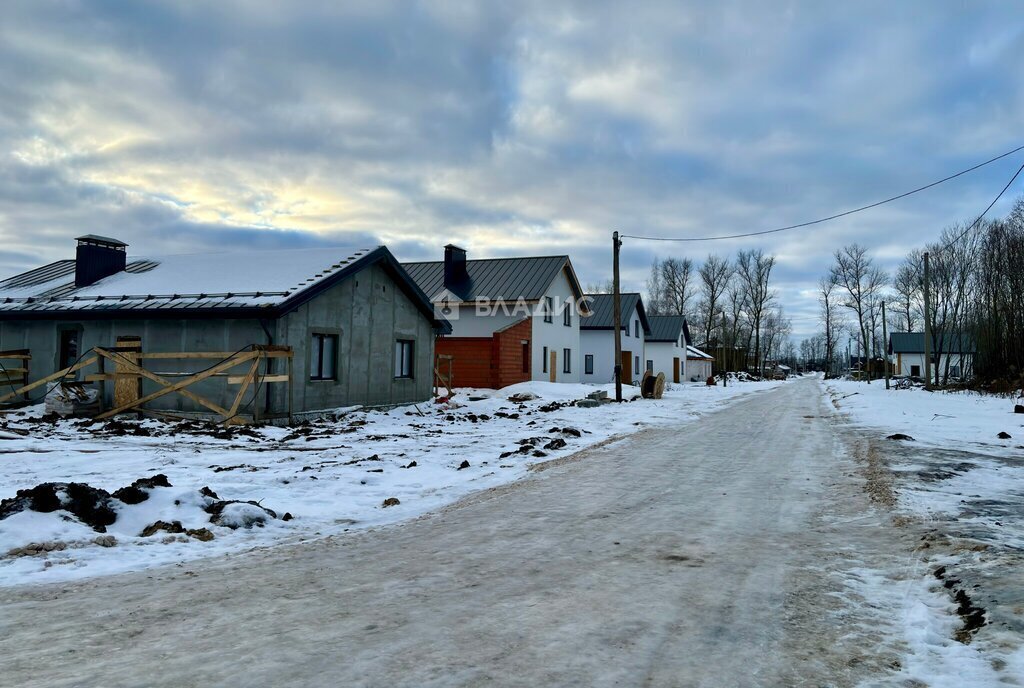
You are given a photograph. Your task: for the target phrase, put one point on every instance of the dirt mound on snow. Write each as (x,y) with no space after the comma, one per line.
(97,508)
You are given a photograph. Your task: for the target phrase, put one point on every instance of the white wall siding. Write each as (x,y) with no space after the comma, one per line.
(663,353)
(556,336)
(905,361)
(601,345)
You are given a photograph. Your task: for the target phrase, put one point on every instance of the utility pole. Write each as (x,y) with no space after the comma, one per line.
(885,347)
(725,368)
(927,329)
(617,315)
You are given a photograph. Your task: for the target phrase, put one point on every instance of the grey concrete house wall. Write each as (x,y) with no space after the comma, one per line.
(369,313)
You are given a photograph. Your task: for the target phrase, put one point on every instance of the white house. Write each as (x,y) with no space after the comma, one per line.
(698,364)
(666,346)
(955,350)
(597,339)
(513,319)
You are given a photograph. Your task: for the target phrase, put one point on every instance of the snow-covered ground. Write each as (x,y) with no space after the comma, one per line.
(328,476)
(959,487)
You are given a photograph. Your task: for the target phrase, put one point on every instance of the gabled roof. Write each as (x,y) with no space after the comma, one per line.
(498,279)
(602,305)
(913,343)
(693,353)
(666,328)
(261,284)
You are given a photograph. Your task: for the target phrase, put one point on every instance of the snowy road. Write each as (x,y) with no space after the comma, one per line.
(667,559)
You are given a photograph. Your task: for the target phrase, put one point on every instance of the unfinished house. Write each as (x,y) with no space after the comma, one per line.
(255,335)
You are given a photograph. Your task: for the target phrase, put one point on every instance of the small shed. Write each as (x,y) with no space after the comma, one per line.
(698,364)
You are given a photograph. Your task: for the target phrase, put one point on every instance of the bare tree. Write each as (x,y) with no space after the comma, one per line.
(754,270)
(861,280)
(714,276)
(669,286)
(831,319)
(605,287)
(907,286)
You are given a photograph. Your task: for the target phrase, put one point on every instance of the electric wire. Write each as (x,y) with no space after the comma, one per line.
(836,215)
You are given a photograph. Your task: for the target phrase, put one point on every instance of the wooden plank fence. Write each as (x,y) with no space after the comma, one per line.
(127,360)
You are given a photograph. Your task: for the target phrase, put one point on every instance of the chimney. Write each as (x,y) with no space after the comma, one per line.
(98,257)
(455,274)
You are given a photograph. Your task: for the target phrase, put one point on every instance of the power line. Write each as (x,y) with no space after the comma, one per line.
(975,223)
(842,214)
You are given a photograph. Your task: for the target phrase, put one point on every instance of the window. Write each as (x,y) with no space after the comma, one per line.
(636,329)
(68,348)
(567,316)
(954,371)
(650,366)
(915,371)
(323,357)
(403,358)
(636,365)
(544,361)
(626,328)
(549,308)
(566,360)
(588,364)
(682,341)
(526,355)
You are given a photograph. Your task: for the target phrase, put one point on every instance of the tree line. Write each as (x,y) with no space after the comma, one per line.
(729,303)
(976,296)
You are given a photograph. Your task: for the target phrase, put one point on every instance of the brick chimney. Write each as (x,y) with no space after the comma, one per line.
(456,277)
(97,257)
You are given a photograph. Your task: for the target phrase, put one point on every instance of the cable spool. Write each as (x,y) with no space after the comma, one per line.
(652,386)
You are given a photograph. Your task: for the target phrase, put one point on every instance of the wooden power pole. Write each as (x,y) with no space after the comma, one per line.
(617,314)
(927,328)
(725,368)
(885,347)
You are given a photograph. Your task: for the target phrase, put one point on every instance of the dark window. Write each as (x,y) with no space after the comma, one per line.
(682,340)
(566,360)
(323,357)
(68,348)
(636,365)
(404,358)
(636,329)
(626,328)
(549,308)
(650,366)
(567,316)
(915,371)
(544,361)
(588,364)
(526,356)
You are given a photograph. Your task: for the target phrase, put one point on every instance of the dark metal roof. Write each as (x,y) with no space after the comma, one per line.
(913,343)
(497,279)
(602,305)
(666,328)
(283,281)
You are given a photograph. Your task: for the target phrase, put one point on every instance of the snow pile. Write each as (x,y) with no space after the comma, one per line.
(357,469)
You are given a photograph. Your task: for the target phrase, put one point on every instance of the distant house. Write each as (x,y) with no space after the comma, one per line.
(953,350)
(666,346)
(360,329)
(513,319)
(597,339)
(698,364)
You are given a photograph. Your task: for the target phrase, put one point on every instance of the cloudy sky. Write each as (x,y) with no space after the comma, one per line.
(509,128)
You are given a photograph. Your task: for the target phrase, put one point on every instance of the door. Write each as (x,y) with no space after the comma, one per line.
(675,369)
(552,370)
(627,367)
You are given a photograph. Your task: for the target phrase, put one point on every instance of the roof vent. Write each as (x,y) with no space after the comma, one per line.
(97,257)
